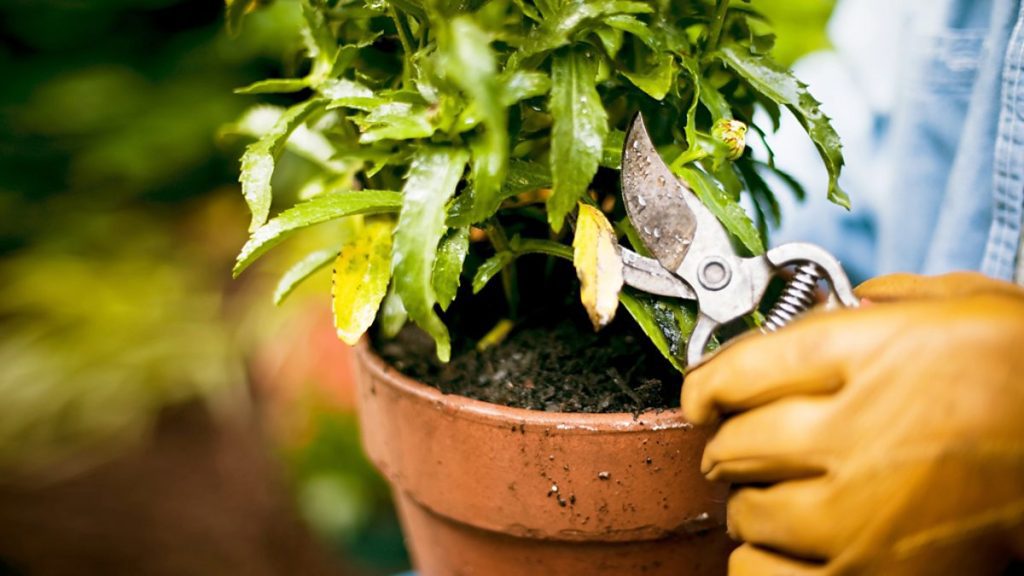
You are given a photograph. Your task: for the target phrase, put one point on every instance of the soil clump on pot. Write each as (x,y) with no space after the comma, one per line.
(550,362)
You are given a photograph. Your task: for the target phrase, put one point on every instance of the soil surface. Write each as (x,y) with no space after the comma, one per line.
(548,362)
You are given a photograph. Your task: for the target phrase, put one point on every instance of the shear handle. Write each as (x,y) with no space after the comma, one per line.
(796,252)
(758,271)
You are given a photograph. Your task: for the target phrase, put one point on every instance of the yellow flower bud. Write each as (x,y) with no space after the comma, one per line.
(733,134)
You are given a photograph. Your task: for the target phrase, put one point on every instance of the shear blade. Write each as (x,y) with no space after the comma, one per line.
(655,199)
(647,275)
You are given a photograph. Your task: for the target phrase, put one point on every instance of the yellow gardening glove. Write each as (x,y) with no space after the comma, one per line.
(883,440)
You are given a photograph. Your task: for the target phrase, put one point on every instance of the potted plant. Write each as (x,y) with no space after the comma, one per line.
(451,140)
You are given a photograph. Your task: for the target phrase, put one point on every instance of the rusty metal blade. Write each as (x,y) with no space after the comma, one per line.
(655,199)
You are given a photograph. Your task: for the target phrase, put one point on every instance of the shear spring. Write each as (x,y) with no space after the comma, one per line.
(797,297)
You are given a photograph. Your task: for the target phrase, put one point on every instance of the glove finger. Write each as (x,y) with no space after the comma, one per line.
(915,287)
(807,357)
(787,517)
(749,560)
(777,442)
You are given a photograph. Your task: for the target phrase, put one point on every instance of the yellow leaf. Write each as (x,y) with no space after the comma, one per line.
(598,264)
(360,280)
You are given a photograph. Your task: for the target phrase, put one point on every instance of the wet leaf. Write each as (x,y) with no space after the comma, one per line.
(655,78)
(360,280)
(633,25)
(260,156)
(611,39)
(274,86)
(563,20)
(779,84)
(322,208)
(611,154)
(598,263)
(432,178)
(319,41)
(392,314)
(522,177)
(451,254)
(725,208)
(309,144)
(394,121)
(713,100)
(469,62)
(666,324)
(302,270)
(578,133)
(342,88)
(522,85)
(490,268)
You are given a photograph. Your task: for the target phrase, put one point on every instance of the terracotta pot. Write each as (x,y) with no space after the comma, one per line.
(491,490)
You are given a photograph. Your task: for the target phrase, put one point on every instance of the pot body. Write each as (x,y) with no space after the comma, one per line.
(491,490)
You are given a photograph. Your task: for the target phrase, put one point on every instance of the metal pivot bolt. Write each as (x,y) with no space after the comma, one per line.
(714,273)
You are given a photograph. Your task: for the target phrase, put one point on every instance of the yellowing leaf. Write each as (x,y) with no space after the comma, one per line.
(360,280)
(598,264)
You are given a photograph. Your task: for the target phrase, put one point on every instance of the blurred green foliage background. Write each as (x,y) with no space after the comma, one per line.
(119,219)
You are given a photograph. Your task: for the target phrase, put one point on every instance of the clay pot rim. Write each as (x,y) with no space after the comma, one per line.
(506,416)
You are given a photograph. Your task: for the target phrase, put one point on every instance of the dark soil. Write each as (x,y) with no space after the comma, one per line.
(551,362)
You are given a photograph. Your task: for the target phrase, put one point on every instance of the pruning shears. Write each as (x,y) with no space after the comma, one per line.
(694,259)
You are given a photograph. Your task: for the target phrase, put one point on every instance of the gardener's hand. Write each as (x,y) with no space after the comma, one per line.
(883,440)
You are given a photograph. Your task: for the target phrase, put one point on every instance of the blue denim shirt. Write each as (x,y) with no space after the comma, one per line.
(929,98)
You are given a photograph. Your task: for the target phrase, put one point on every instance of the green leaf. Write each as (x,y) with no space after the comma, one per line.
(274,86)
(412,7)
(360,280)
(490,268)
(692,68)
(394,121)
(631,24)
(309,144)
(319,209)
(234,13)
(528,10)
(725,208)
(779,84)
(342,88)
(668,325)
(713,100)
(521,85)
(578,133)
(319,41)
(392,314)
(611,152)
(469,62)
(564,20)
(260,156)
(656,77)
(302,270)
(448,267)
(611,39)
(522,177)
(517,247)
(432,178)
(521,246)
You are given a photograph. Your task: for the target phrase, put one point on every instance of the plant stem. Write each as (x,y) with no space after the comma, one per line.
(717,24)
(496,335)
(508,274)
(691,155)
(405,37)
